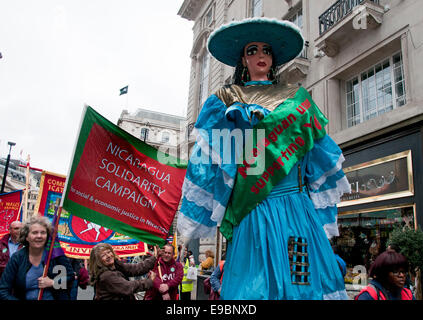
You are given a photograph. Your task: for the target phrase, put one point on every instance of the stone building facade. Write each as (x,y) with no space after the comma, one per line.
(157,129)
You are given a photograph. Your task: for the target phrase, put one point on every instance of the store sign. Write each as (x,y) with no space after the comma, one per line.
(381,179)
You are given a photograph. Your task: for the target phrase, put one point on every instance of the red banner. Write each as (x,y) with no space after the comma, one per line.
(76,235)
(120,182)
(51,183)
(9,209)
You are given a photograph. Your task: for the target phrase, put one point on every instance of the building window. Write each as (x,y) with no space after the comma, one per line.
(364,235)
(165,137)
(375,91)
(256,8)
(144,134)
(208,18)
(204,79)
(297,19)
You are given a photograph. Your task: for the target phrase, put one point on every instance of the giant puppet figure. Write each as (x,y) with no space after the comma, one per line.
(274,194)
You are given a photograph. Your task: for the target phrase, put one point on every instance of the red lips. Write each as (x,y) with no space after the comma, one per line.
(261,64)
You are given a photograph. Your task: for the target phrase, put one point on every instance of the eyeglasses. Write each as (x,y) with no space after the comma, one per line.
(397,273)
(252,50)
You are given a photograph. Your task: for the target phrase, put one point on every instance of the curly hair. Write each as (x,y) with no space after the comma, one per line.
(96,266)
(35,219)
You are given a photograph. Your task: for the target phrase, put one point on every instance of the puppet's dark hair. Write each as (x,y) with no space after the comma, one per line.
(240,76)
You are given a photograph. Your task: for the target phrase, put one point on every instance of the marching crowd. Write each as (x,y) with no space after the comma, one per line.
(160,274)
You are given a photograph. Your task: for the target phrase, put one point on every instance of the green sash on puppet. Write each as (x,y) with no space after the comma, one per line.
(287,134)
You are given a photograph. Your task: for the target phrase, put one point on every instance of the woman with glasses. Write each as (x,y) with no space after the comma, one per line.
(388,273)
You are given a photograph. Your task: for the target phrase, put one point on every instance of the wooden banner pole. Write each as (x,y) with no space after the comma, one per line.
(57,213)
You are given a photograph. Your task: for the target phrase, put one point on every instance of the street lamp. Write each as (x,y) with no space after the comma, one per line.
(11,144)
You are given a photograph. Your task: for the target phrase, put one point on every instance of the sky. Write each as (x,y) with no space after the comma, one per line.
(58,55)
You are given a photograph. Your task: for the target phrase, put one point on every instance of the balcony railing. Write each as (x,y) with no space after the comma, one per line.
(337,12)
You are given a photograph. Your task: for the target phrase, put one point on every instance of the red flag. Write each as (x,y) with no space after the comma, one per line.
(9,209)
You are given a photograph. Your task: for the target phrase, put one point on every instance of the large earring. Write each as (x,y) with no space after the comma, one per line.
(245,77)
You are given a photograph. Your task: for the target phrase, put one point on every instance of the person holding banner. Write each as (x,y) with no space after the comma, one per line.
(265,171)
(170,274)
(110,276)
(22,279)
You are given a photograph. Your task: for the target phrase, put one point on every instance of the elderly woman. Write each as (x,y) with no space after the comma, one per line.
(264,168)
(23,276)
(110,276)
(388,273)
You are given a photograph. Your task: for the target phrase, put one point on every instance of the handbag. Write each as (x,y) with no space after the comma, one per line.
(214,295)
(207,286)
(192,273)
(209,290)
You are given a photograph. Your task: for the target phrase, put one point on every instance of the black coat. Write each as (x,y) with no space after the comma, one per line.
(13,280)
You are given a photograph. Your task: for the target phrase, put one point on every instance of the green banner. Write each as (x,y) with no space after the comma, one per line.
(120,182)
(281,139)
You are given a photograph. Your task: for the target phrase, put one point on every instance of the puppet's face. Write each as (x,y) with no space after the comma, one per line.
(258,59)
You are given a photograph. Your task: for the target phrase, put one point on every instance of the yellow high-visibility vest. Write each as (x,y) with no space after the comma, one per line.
(187,284)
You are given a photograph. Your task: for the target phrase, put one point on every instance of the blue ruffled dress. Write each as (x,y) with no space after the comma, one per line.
(280,250)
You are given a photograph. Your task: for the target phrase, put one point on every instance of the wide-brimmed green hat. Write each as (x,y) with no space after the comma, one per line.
(227,42)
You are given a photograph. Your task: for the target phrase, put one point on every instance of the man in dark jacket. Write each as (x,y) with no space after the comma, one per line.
(169,276)
(9,244)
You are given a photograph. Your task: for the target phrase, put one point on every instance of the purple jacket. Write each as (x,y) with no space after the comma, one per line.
(172,274)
